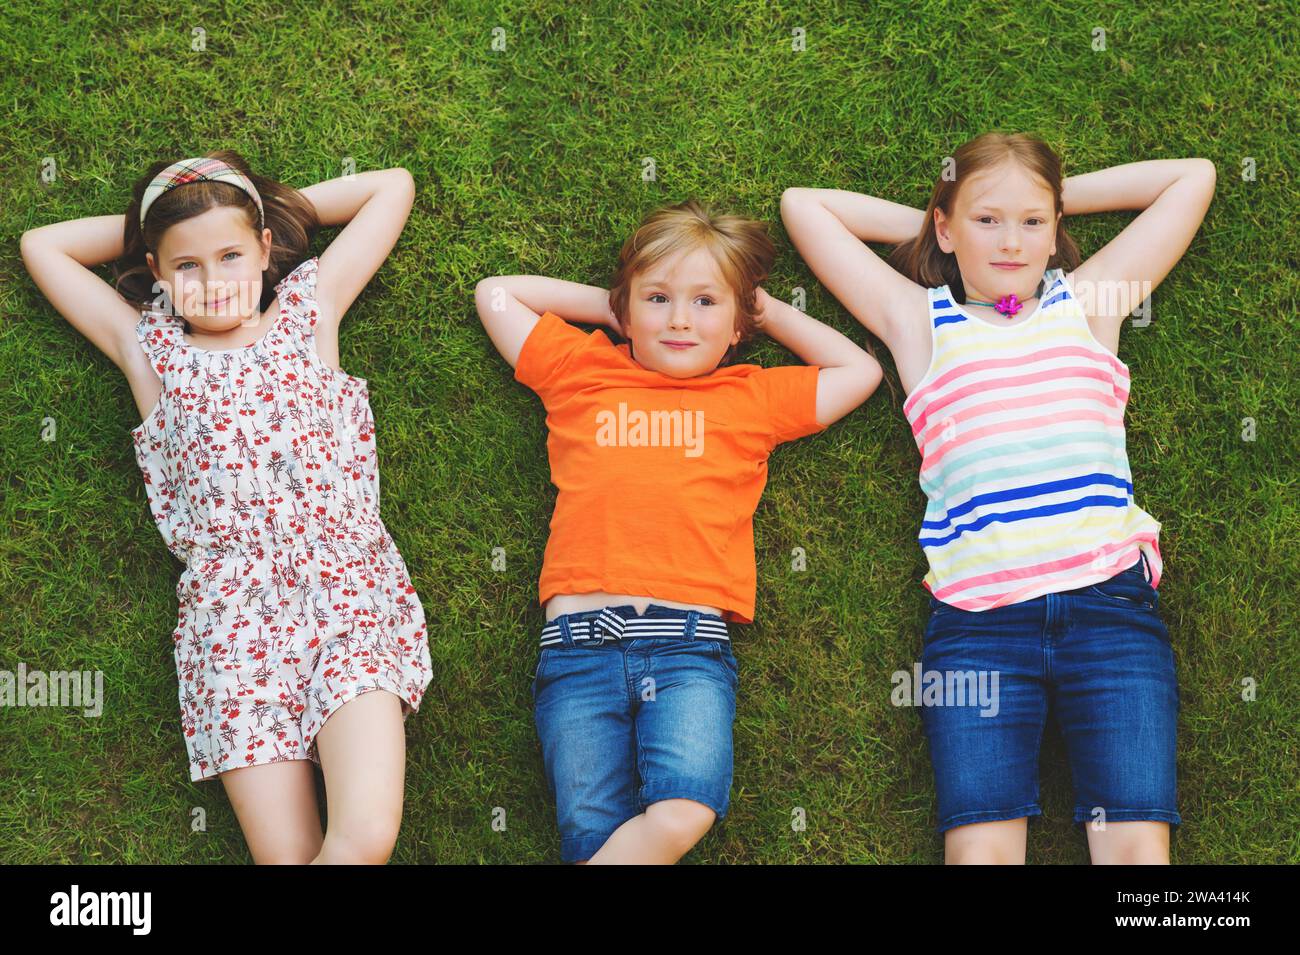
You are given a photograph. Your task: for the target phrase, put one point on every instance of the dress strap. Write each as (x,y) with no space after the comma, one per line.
(1066,309)
(943,308)
(1055,288)
(157,333)
(297,292)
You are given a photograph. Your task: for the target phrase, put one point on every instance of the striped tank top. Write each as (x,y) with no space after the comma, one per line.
(1023,463)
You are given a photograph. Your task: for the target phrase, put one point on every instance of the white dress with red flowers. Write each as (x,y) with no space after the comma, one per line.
(262,475)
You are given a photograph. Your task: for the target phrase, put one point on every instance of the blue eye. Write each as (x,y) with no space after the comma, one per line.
(655,295)
(706,299)
(1036,221)
(984,219)
(223,258)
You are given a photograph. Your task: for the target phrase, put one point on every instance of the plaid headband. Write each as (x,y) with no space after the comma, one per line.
(199,169)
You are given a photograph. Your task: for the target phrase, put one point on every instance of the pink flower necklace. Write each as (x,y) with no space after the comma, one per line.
(1007,305)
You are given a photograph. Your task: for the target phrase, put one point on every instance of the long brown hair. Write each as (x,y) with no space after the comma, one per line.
(921,259)
(741,247)
(290,216)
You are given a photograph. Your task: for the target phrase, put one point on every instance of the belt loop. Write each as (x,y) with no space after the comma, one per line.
(565,635)
(692,617)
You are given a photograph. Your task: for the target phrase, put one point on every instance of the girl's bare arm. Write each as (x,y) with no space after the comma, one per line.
(375,205)
(59,258)
(510,305)
(848,374)
(1174,195)
(830,227)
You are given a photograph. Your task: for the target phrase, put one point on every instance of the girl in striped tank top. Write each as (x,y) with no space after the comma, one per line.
(1042,567)
(1021,434)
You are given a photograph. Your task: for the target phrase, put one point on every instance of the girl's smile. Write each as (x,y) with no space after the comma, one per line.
(216,263)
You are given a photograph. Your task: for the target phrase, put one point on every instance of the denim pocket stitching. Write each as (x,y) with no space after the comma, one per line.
(728,665)
(1147,603)
(540,670)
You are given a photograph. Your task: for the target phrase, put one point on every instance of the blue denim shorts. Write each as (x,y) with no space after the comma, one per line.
(625,723)
(1100,658)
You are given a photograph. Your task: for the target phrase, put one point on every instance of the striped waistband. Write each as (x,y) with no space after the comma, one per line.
(608,624)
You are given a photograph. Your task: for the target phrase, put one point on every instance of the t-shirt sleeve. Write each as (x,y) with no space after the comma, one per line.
(549,354)
(790,395)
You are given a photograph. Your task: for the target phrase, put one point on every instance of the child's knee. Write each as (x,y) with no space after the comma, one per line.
(983,853)
(1131,844)
(367,841)
(986,843)
(285,855)
(1139,853)
(683,822)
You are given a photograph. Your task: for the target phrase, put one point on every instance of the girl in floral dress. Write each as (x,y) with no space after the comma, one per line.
(259,459)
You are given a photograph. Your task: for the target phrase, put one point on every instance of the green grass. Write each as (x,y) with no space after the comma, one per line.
(530,160)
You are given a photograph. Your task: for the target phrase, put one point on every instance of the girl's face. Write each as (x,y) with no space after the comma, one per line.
(681,315)
(211,266)
(1002,231)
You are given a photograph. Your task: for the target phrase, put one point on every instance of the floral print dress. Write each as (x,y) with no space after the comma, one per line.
(262,475)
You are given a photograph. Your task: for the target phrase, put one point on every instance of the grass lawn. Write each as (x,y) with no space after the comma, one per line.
(532,159)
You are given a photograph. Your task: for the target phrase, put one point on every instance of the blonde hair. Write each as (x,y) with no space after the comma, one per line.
(741,247)
(921,259)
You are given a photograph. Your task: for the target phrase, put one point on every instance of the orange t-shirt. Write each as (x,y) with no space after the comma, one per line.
(657,477)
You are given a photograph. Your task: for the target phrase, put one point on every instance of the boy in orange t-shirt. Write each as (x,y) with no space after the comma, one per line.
(659,456)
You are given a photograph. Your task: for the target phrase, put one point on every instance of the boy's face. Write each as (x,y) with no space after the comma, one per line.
(211,266)
(681,315)
(1002,231)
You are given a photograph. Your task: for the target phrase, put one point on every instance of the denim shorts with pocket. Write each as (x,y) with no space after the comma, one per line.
(1100,658)
(626,723)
